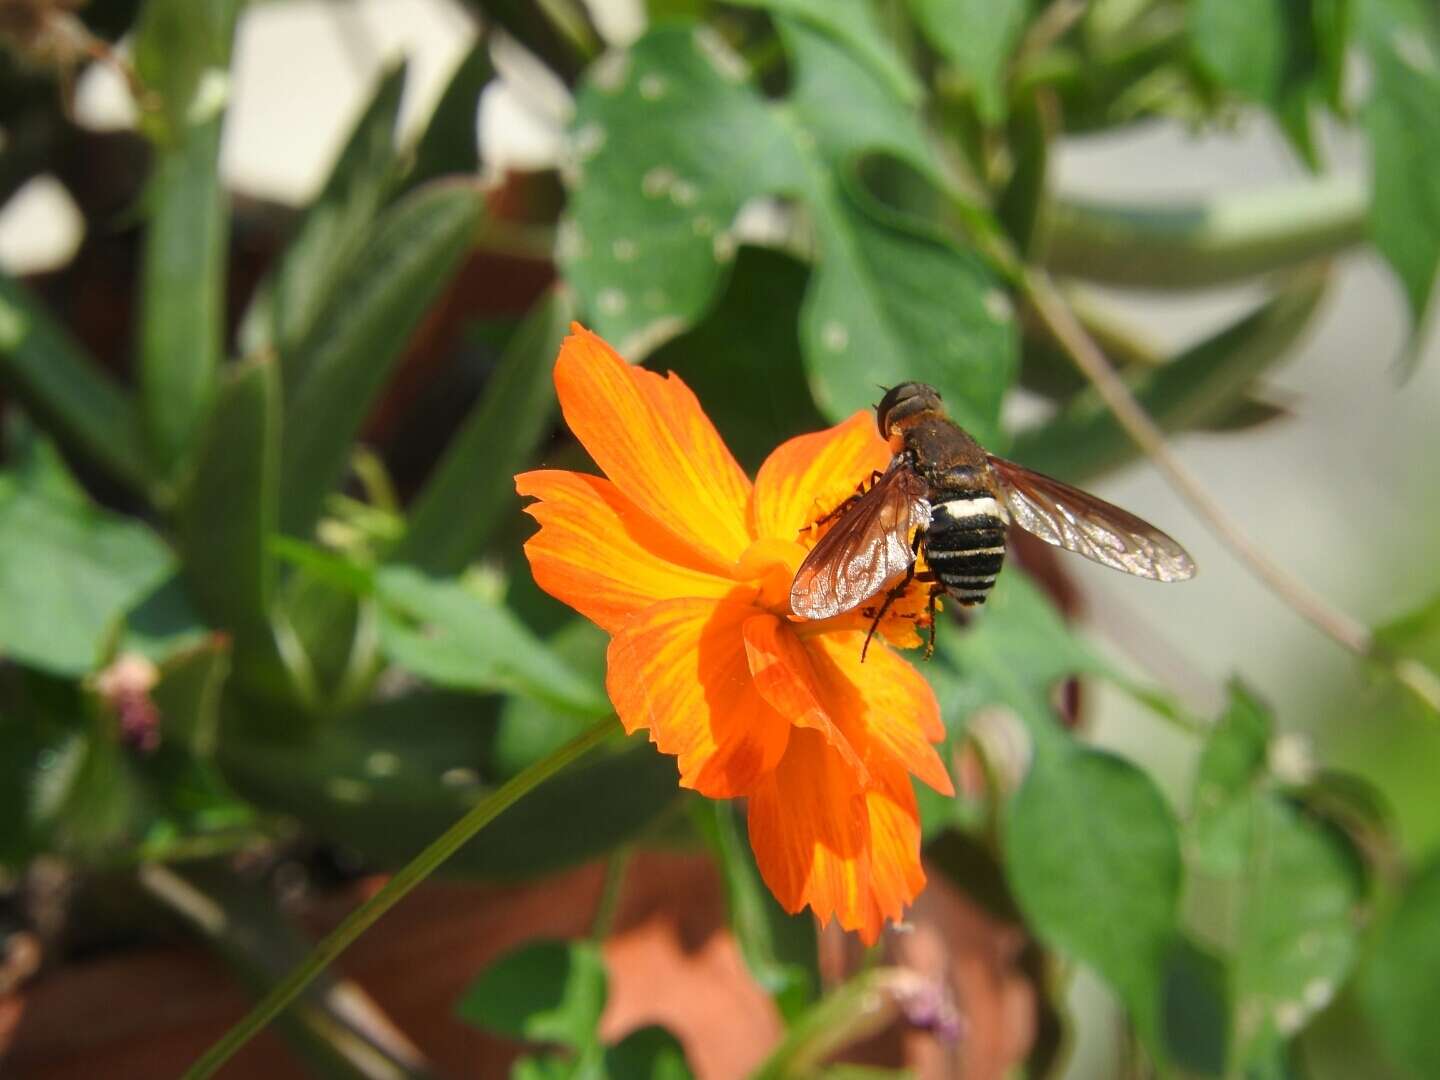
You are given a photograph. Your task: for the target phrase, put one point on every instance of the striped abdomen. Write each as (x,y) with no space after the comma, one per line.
(965,542)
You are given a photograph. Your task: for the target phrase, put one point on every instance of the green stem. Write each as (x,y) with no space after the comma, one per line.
(411,875)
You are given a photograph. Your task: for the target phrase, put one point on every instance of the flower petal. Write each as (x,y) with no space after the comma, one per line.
(783,675)
(679,669)
(808,476)
(596,552)
(650,436)
(883,705)
(896,876)
(811,835)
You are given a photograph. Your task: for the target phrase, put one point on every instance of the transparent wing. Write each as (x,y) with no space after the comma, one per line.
(1072,519)
(868,546)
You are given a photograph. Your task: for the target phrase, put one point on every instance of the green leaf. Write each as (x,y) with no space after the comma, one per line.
(404,264)
(182,51)
(450,143)
(387,778)
(657,188)
(977,37)
(744,361)
(69,574)
(447,634)
(1275,890)
(648,1053)
(1084,439)
(552,992)
(853,24)
(1093,856)
(780,949)
(528,728)
(1012,656)
(457,512)
(1266,51)
(1211,242)
(227,511)
(1195,1009)
(1413,642)
(64,389)
(1400,982)
(163,623)
(1402,38)
(288,302)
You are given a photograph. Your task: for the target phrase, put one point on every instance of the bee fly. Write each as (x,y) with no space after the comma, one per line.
(945,497)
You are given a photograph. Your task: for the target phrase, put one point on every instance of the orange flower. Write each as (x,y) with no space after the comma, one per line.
(687,566)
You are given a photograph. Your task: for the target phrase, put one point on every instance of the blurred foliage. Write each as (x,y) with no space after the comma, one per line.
(290,489)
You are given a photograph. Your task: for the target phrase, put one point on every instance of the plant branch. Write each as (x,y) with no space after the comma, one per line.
(1046,301)
(411,875)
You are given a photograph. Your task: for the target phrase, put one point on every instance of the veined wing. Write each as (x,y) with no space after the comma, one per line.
(1078,521)
(868,546)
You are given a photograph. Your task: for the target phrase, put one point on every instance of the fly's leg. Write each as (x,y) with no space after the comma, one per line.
(894,594)
(860,489)
(890,598)
(935,590)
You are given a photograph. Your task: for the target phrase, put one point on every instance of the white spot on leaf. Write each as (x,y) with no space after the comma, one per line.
(723,246)
(612,301)
(998,306)
(684,193)
(834,336)
(570,242)
(611,71)
(382,763)
(653,87)
(657,181)
(587,140)
(624,250)
(344,789)
(702,225)
(722,58)
(460,777)
(1412,49)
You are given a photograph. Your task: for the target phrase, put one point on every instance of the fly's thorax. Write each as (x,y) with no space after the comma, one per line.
(965,540)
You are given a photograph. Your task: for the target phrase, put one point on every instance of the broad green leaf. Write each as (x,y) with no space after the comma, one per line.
(69,573)
(853,23)
(648,1053)
(1400,982)
(227,510)
(1276,890)
(674,137)
(1211,242)
(1402,38)
(528,728)
(63,388)
(1013,654)
(1194,1009)
(780,949)
(450,142)
(443,632)
(163,623)
(404,264)
(744,361)
(1085,440)
(335,226)
(182,51)
(977,37)
(550,992)
(1093,857)
(1022,202)
(466,497)
(385,780)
